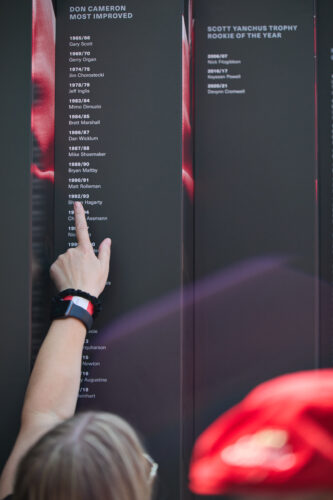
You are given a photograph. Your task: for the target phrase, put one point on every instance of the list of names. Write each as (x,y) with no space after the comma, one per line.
(86,160)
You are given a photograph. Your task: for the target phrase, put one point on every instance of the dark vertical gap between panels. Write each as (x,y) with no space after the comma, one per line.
(15,88)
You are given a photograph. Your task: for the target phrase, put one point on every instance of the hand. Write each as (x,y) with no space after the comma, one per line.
(79,268)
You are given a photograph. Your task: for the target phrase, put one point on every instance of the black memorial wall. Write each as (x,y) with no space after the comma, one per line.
(256,237)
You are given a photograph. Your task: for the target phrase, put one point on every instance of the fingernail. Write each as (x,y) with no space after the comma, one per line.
(109,241)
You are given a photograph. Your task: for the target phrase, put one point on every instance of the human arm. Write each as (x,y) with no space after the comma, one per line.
(54,382)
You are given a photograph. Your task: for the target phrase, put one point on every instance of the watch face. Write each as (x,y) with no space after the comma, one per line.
(80,301)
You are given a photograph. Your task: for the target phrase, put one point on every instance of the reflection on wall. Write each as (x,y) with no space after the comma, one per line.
(42,167)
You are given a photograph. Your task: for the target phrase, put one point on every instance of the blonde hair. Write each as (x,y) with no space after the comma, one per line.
(92,455)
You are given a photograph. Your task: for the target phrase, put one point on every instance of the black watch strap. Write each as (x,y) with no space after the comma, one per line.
(67,309)
(80,293)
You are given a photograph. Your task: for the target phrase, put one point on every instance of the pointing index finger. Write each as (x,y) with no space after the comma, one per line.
(82,234)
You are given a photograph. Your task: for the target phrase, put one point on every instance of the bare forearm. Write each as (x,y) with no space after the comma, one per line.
(55,379)
(52,390)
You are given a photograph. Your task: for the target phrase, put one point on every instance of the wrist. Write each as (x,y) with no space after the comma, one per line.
(77,304)
(94,292)
(71,292)
(81,302)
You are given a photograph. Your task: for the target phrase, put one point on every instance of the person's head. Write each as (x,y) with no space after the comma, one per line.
(92,455)
(275,444)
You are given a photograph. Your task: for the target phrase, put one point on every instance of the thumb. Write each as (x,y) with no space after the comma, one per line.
(104,252)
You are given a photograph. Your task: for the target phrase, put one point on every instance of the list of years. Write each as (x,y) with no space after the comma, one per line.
(85,165)
(223,75)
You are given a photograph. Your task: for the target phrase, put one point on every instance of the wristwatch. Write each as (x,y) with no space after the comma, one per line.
(73,307)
